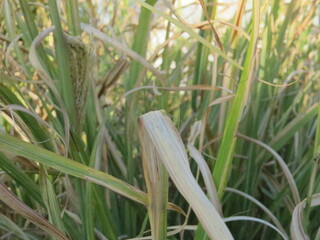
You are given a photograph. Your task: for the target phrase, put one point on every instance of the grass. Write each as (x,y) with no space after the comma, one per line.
(142,120)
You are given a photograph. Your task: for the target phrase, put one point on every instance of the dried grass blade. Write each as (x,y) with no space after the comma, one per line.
(222,99)
(216,36)
(206,174)
(192,33)
(119,46)
(156,179)
(165,138)
(296,227)
(15,204)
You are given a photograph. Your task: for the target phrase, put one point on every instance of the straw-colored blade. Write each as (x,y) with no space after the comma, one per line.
(164,138)
(156,178)
(15,204)
(296,228)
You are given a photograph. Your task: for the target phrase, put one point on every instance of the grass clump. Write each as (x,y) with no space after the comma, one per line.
(85,152)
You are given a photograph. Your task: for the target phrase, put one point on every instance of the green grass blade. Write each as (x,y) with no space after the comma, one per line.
(103,214)
(50,199)
(39,132)
(7,224)
(61,50)
(89,197)
(140,46)
(11,29)
(314,170)
(20,177)
(290,129)
(73,17)
(33,32)
(226,150)
(68,166)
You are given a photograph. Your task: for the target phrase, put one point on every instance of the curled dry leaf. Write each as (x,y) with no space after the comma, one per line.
(164,138)
(296,227)
(156,179)
(206,174)
(119,46)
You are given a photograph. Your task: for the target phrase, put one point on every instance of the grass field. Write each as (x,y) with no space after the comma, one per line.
(159,119)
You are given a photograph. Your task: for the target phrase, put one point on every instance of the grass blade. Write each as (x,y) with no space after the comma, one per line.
(226,151)
(68,166)
(169,147)
(296,228)
(156,179)
(20,177)
(10,226)
(283,165)
(191,32)
(61,49)
(15,204)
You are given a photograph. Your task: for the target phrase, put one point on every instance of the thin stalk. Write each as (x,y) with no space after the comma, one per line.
(140,46)
(314,171)
(61,48)
(222,168)
(73,17)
